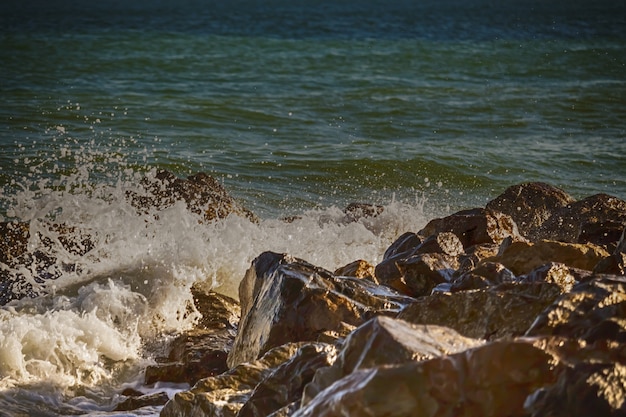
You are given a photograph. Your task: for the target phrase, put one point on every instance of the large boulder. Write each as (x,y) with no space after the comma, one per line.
(285,299)
(594,310)
(506,310)
(529,205)
(523,257)
(492,380)
(576,221)
(475,226)
(387,341)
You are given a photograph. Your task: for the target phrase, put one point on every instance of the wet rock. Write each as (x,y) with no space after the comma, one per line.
(202,193)
(523,257)
(491,380)
(572,221)
(387,341)
(136,402)
(616,262)
(475,227)
(591,311)
(358,269)
(286,383)
(473,255)
(530,205)
(224,395)
(560,274)
(285,299)
(356,211)
(414,266)
(203,351)
(507,310)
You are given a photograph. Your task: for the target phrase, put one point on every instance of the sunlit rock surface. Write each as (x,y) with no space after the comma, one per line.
(285,299)
(388,341)
(530,205)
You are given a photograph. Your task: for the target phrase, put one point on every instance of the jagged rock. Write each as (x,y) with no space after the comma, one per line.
(358,269)
(203,351)
(285,299)
(387,341)
(572,221)
(506,310)
(523,257)
(616,262)
(484,275)
(592,310)
(286,383)
(136,402)
(473,255)
(492,380)
(529,205)
(416,270)
(475,226)
(202,193)
(356,211)
(560,274)
(224,395)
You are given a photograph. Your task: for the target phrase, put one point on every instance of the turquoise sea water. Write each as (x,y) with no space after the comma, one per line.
(298,107)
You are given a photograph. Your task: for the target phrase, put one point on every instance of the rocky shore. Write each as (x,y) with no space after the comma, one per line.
(517,308)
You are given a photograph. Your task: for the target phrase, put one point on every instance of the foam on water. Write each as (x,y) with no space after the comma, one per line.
(114,297)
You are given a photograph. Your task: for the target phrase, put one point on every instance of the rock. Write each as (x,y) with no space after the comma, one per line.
(507,310)
(616,262)
(358,269)
(475,226)
(422,273)
(286,383)
(387,341)
(136,402)
(202,193)
(571,222)
(473,255)
(492,380)
(523,257)
(356,211)
(591,311)
(203,351)
(416,270)
(285,299)
(224,395)
(560,274)
(530,205)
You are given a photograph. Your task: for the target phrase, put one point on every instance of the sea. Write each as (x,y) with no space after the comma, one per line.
(298,108)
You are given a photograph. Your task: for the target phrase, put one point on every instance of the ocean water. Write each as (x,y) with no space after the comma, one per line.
(298,108)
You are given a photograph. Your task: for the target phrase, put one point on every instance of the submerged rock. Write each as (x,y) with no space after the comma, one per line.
(285,299)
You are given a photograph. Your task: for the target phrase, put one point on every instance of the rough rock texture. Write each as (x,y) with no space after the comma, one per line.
(224,395)
(387,341)
(491,380)
(202,193)
(530,205)
(140,401)
(284,299)
(593,310)
(421,273)
(522,257)
(575,219)
(475,226)
(507,310)
(203,351)
(358,269)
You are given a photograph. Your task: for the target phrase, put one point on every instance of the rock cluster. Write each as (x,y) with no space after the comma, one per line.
(514,309)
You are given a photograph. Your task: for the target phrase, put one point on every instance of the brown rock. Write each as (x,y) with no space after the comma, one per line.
(474,227)
(134,403)
(202,193)
(422,273)
(560,274)
(530,204)
(358,269)
(492,380)
(387,341)
(225,394)
(284,299)
(572,221)
(593,310)
(356,211)
(523,257)
(507,310)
